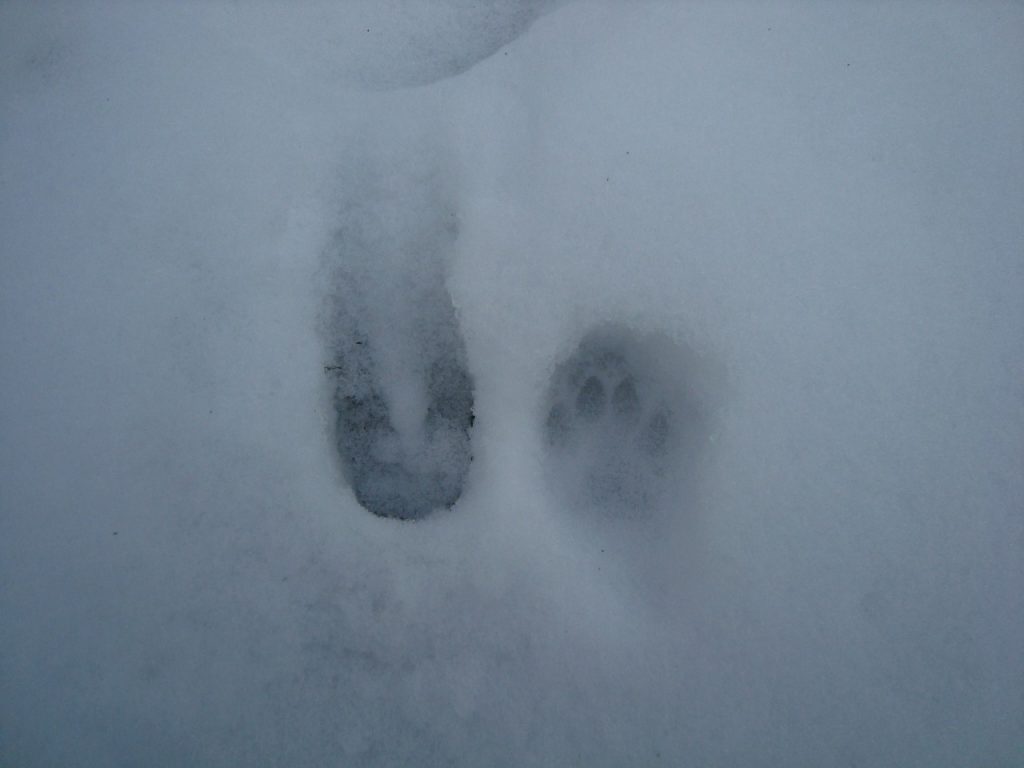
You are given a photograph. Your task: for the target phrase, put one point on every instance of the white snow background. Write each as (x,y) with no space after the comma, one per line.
(821,203)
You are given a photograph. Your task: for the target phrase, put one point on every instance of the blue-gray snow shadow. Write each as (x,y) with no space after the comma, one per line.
(403,395)
(622,428)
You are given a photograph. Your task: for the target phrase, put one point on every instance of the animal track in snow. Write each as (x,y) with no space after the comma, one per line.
(404,473)
(618,424)
(403,395)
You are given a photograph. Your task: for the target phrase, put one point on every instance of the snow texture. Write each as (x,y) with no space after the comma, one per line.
(500,383)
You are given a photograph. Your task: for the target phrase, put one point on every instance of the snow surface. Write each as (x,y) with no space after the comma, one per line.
(815,208)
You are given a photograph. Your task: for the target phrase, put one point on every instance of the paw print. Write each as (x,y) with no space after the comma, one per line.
(612,427)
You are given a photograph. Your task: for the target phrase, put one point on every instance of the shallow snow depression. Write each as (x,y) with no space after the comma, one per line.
(675,351)
(404,395)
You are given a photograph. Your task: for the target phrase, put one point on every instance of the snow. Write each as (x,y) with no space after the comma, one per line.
(797,227)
